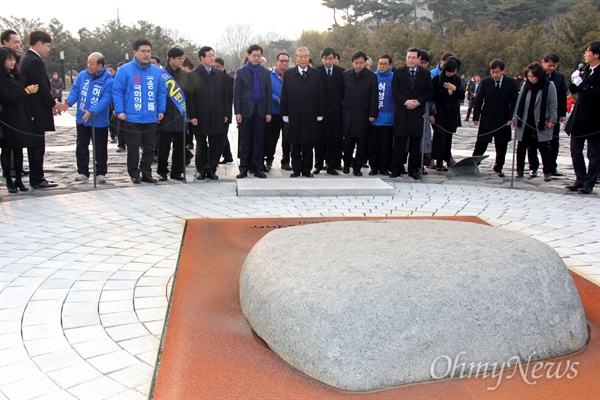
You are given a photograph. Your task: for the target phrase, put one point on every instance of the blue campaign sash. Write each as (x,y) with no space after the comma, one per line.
(174,91)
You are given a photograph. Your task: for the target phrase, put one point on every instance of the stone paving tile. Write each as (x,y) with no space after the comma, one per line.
(94,290)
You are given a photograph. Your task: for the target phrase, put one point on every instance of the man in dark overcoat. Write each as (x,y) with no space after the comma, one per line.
(583,124)
(329,150)
(360,108)
(302,105)
(43,105)
(209,91)
(412,88)
(494,108)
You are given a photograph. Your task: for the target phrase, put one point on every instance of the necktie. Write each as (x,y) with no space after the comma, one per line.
(303,74)
(329,73)
(413,77)
(497,86)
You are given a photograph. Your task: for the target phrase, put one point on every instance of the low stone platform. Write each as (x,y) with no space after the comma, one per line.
(368,306)
(317,186)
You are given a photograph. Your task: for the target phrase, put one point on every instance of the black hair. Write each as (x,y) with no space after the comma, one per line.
(497,63)
(327,51)
(175,52)
(141,42)
(39,36)
(389,58)
(254,47)
(5,36)
(359,54)
(551,57)
(203,50)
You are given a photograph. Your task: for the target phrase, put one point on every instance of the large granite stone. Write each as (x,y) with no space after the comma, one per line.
(363,305)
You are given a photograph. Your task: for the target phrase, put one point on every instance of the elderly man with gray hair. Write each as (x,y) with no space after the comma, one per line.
(92,92)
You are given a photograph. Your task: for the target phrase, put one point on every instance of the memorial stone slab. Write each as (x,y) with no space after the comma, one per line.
(365,305)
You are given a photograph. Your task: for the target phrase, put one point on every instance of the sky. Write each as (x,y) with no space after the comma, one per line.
(200,21)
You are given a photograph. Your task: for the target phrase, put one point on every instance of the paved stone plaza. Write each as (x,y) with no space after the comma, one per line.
(86,272)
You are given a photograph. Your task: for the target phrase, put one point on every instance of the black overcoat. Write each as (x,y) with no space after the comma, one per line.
(360,102)
(210,101)
(410,122)
(331,126)
(447,106)
(33,71)
(302,101)
(584,119)
(16,113)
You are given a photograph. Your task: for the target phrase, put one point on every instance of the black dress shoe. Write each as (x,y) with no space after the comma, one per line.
(394,175)
(44,185)
(21,187)
(177,177)
(201,176)
(12,188)
(286,167)
(212,176)
(242,175)
(384,172)
(225,161)
(520,174)
(425,172)
(317,171)
(357,172)
(373,172)
(574,187)
(308,175)
(268,166)
(346,170)
(585,190)
(162,177)
(332,171)
(498,172)
(136,180)
(148,179)
(294,174)
(415,176)
(260,174)
(556,173)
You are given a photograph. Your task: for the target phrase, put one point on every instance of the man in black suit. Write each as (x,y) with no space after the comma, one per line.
(220,65)
(302,107)
(494,108)
(209,92)
(42,104)
(412,88)
(550,62)
(583,124)
(252,103)
(360,108)
(329,150)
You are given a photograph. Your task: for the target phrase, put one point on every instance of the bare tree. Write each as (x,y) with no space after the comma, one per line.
(234,42)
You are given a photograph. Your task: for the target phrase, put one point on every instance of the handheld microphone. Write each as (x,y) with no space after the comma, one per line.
(581,67)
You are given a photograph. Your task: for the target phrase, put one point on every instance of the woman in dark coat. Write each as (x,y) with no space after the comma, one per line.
(448,92)
(16,117)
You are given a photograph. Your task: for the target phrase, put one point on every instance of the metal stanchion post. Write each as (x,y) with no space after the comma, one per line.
(94,146)
(512,172)
(183,117)
(423,146)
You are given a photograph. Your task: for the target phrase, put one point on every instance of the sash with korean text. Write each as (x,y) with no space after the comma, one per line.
(174,91)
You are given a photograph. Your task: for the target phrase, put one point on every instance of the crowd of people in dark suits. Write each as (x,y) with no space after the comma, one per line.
(329,119)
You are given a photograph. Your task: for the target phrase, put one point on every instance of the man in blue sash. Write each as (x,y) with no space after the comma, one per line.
(92,93)
(140,98)
(171,128)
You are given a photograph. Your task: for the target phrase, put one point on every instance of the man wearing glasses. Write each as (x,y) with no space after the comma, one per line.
(140,98)
(252,103)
